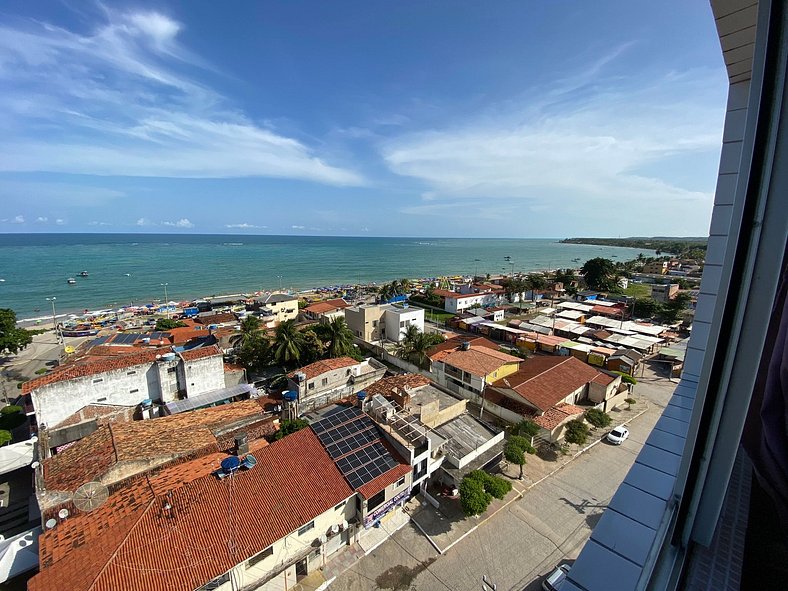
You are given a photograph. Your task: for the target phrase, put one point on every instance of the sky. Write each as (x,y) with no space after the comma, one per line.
(361,118)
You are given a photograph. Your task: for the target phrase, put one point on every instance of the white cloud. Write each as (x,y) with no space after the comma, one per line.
(143,222)
(122,104)
(298,227)
(98,223)
(243,226)
(41,219)
(181,223)
(18,220)
(60,221)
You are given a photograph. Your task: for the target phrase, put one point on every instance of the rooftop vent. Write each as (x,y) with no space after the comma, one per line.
(466,346)
(241,445)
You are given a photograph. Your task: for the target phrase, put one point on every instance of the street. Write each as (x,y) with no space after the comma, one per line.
(523,542)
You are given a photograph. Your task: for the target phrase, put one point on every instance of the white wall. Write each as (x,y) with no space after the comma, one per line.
(203,375)
(455,305)
(394,322)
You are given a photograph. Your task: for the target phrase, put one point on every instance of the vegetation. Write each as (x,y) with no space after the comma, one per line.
(415,344)
(671,311)
(528,429)
(312,348)
(396,288)
(5,437)
(576,432)
(288,426)
(12,339)
(694,248)
(630,402)
(515,450)
(598,418)
(288,344)
(41,371)
(645,308)
(164,324)
(599,273)
(626,378)
(338,336)
(11,417)
(477,490)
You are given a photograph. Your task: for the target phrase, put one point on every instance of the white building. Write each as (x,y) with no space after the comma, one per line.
(159,375)
(397,319)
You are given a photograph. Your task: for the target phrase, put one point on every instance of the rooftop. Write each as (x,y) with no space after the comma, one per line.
(327,306)
(556,415)
(428,395)
(464,435)
(211,524)
(391,385)
(320,367)
(478,360)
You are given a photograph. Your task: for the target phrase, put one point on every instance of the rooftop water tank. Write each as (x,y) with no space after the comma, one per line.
(230,464)
(290,396)
(168,357)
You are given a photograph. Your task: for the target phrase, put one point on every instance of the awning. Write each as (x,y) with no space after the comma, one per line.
(16,455)
(209,398)
(19,554)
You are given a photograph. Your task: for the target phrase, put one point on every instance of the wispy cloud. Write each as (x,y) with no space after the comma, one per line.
(60,221)
(119,102)
(181,223)
(18,220)
(42,220)
(143,222)
(244,226)
(298,227)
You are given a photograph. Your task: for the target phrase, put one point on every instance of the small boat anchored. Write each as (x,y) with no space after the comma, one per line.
(83,274)
(71,281)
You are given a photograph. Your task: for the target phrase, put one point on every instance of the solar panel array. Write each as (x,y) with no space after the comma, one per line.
(352,440)
(98,341)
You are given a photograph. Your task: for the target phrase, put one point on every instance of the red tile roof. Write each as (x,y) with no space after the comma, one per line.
(133,542)
(455,342)
(220,318)
(157,440)
(94,366)
(326,306)
(390,385)
(480,360)
(200,353)
(545,381)
(376,485)
(557,415)
(320,367)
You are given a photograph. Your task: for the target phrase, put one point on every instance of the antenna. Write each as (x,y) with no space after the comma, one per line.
(90,495)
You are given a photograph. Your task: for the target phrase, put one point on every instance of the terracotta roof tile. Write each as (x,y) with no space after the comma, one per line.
(376,485)
(455,342)
(389,385)
(557,415)
(220,318)
(544,381)
(133,542)
(478,360)
(327,306)
(320,367)
(94,366)
(200,353)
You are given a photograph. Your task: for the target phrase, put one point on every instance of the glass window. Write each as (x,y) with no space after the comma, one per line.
(306,528)
(260,557)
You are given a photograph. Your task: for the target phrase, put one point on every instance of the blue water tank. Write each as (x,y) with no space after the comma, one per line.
(361,395)
(230,464)
(290,396)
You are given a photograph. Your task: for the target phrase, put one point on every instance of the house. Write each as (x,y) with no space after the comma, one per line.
(470,445)
(455,302)
(625,361)
(329,380)
(326,310)
(125,379)
(280,307)
(466,366)
(217,522)
(494,314)
(375,322)
(543,383)
(656,267)
(664,292)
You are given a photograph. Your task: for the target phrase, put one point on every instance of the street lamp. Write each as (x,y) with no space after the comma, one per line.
(280,282)
(166,299)
(54,320)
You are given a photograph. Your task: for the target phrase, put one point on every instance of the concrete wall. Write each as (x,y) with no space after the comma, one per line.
(460,462)
(203,375)
(366,322)
(432,417)
(484,300)
(397,322)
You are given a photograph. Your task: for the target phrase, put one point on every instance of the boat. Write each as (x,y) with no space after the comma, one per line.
(71,281)
(127,274)
(79,333)
(83,274)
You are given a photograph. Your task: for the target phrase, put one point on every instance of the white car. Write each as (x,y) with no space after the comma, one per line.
(618,435)
(556,578)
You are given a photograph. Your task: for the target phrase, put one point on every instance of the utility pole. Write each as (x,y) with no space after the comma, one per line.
(54,317)
(166,299)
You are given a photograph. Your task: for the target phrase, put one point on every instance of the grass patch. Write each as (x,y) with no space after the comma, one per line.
(638,290)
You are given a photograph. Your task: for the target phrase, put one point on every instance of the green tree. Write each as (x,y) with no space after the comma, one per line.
(288,426)
(313,347)
(12,339)
(339,337)
(288,344)
(255,352)
(250,329)
(597,417)
(599,273)
(630,402)
(515,450)
(576,432)
(645,308)
(5,437)
(415,344)
(527,429)
(565,276)
(165,324)
(672,310)
(478,489)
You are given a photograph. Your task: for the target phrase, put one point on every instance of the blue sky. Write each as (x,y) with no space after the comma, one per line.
(504,119)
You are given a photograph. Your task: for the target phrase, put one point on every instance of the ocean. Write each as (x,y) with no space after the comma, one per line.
(127,269)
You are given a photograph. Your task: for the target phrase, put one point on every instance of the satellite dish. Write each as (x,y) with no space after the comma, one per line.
(35,465)
(90,495)
(63,513)
(51,523)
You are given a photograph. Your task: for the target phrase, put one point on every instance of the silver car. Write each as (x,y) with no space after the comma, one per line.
(556,578)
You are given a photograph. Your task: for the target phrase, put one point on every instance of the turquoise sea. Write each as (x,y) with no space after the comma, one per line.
(36,266)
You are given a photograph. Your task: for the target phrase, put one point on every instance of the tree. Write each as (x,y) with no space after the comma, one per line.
(255,352)
(515,450)
(165,324)
(527,429)
(672,310)
(576,432)
(645,308)
(339,337)
(250,328)
(288,426)
(565,276)
(12,339)
(599,273)
(477,490)
(5,436)
(598,418)
(415,344)
(313,347)
(630,402)
(288,344)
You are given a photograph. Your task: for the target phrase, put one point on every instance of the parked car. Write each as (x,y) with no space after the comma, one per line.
(618,435)
(554,581)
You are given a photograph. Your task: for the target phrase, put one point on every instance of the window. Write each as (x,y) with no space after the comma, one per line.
(171,369)
(131,373)
(260,557)
(311,386)
(376,500)
(374,324)
(338,507)
(97,380)
(400,482)
(402,324)
(306,528)
(347,373)
(134,391)
(324,382)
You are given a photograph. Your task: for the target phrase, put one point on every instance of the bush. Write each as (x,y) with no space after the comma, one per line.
(5,436)
(630,402)
(598,418)
(526,429)
(626,378)
(164,324)
(11,417)
(289,426)
(11,409)
(42,371)
(576,432)
(477,490)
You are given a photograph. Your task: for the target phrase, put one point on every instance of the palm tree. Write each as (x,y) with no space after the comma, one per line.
(250,327)
(288,343)
(415,344)
(339,336)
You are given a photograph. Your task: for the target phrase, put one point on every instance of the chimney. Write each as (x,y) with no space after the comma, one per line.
(241,444)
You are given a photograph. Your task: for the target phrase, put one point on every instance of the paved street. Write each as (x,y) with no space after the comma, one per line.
(525,540)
